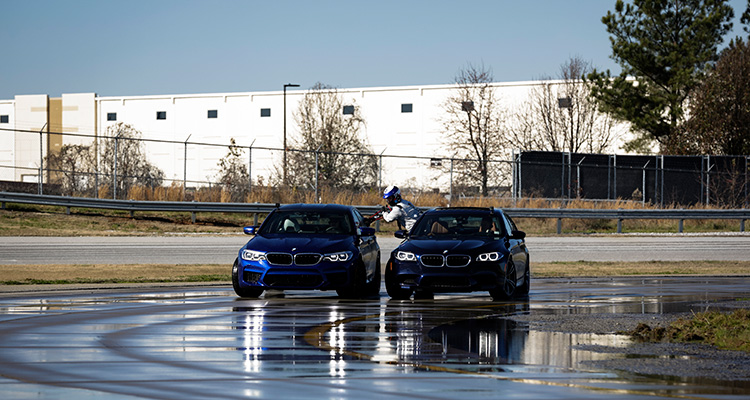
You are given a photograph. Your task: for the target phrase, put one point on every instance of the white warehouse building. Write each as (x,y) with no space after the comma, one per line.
(400,121)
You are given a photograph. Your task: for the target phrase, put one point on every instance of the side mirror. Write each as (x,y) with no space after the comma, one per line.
(518,235)
(401,234)
(366,231)
(250,230)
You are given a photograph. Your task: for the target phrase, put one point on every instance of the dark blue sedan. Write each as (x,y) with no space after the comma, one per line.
(310,246)
(460,250)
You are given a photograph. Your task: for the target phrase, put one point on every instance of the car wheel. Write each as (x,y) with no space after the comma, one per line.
(250,292)
(358,283)
(507,290)
(523,290)
(393,288)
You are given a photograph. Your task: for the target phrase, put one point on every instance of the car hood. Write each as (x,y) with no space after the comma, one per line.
(301,243)
(453,246)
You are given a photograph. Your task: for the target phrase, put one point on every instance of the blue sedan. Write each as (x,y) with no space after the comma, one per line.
(460,250)
(309,246)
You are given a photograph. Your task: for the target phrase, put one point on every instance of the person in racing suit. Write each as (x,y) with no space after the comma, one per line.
(401,211)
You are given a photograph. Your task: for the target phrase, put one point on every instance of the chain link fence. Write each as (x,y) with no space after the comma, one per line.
(191,171)
(660,180)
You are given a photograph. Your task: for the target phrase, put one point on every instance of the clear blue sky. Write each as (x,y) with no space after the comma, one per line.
(139,47)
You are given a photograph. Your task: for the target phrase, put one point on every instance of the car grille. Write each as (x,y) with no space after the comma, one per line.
(302,259)
(436,260)
(457,260)
(279,258)
(431,260)
(307,258)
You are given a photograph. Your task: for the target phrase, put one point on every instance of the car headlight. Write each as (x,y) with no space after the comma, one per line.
(405,256)
(494,256)
(338,257)
(252,255)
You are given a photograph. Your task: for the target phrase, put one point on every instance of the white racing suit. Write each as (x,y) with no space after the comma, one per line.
(404,213)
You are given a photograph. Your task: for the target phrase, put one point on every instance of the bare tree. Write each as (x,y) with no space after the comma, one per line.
(330,143)
(472,124)
(73,168)
(233,174)
(561,115)
(122,159)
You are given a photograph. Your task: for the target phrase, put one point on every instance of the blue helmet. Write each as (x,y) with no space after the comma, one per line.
(392,194)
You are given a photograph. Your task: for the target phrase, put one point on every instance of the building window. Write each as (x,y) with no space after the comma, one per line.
(348,110)
(161,115)
(406,108)
(265,112)
(111,116)
(213,113)
(4,119)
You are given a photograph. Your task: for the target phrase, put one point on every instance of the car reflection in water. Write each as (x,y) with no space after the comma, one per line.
(392,333)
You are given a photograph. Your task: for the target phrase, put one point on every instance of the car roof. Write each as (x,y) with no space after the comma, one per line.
(315,207)
(464,210)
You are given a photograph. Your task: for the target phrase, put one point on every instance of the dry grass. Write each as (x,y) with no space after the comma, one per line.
(101,273)
(39,220)
(581,268)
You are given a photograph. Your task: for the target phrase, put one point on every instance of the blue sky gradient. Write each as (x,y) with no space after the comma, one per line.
(138,47)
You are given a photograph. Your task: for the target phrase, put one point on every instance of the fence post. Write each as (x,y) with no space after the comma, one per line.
(661,181)
(250,167)
(450,195)
(562,176)
(184,170)
(114,177)
(316,173)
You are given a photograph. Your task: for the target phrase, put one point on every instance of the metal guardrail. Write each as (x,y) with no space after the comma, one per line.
(253,208)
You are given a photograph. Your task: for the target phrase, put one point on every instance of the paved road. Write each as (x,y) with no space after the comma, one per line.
(223,249)
(205,343)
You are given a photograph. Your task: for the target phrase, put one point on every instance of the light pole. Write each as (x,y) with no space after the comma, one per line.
(286,85)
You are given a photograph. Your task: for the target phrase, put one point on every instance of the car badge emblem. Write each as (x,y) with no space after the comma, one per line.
(294,249)
(445,251)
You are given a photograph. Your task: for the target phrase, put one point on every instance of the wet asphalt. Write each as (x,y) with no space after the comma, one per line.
(205,343)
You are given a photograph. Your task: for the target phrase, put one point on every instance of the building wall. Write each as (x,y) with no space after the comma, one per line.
(31,112)
(388,130)
(7,140)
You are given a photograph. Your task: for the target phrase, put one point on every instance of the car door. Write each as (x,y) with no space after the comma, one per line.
(517,247)
(368,245)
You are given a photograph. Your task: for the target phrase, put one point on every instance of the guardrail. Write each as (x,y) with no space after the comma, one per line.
(254,208)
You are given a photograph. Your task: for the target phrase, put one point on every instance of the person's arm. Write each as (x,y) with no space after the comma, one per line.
(393,214)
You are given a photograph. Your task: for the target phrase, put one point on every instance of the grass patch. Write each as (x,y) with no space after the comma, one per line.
(131,273)
(727,331)
(104,273)
(616,268)
(39,220)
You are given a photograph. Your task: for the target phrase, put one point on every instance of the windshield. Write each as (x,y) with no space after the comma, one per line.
(308,222)
(458,225)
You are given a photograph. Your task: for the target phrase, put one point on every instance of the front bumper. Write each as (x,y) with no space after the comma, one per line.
(323,276)
(474,277)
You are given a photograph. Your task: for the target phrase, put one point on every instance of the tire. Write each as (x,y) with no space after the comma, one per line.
(248,292)
(393,288)
(507,290)
(358,285)
(523,290)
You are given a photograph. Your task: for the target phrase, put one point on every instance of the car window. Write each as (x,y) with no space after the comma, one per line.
(308,223)
(443,224)
(358,218)
(512,224)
